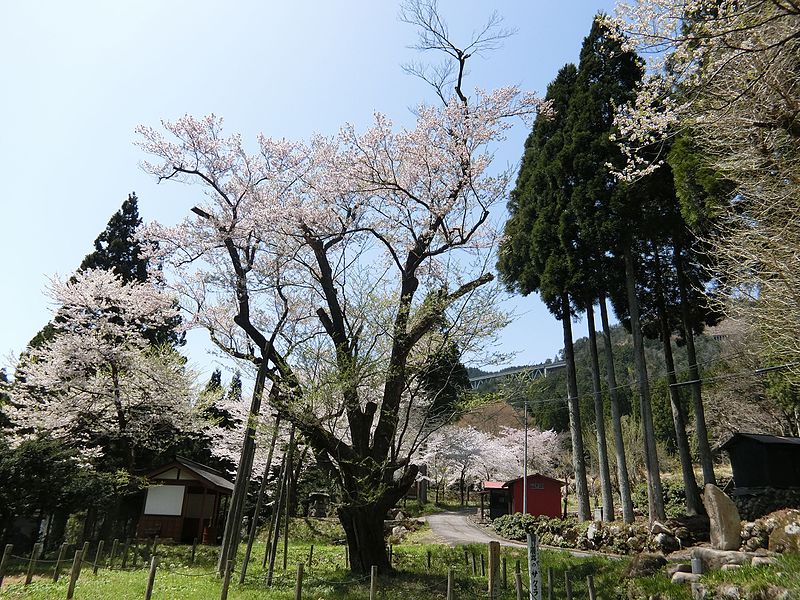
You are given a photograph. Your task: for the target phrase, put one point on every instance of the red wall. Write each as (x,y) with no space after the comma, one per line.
(544,501)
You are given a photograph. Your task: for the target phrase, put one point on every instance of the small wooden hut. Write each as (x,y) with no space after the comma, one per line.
(185,500)
(544,496)
(763,461)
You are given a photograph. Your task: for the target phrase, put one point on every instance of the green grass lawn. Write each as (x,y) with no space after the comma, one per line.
(327,578)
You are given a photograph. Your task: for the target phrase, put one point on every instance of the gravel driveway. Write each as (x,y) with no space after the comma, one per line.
(455,528)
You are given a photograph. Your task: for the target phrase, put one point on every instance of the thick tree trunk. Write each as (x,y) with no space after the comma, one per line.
(616,421)
(692,494)
(701,431)
(600,423)
(363,527)
(573,405)
(655,494)
(694,505)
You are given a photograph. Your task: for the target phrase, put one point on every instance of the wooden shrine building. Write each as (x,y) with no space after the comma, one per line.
(185,500)
(763,461)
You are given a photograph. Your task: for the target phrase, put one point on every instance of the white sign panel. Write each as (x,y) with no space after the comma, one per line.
(164,500)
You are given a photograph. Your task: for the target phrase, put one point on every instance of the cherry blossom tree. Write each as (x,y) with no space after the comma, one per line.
(338,266)
(98,382)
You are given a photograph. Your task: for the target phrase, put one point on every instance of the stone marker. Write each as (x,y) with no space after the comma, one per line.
(713,560)
(724,516)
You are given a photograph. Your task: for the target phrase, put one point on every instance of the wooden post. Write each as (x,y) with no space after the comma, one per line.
(73,574)
(310,557)
(4,561)
(151,578)
(590,586)
(57,571)
(451,592)
(346,556)
(518,584)
(32,563)
(483,566)
(84,553)
(155,547)
(494,570)
(125,549)
(567,585)
(114,550)
(474,565)
(226,583)
(534,576)
(298,584)
(517,568)
(428,559)
(98,556)
(194,550)
(551,593)
(373,582)
(505,574)
(466,556)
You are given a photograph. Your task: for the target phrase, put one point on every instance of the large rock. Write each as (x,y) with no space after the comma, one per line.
(785,535)
(714,559)
(644,565)
(724,517)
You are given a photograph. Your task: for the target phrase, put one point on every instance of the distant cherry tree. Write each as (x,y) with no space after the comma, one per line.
(99,382)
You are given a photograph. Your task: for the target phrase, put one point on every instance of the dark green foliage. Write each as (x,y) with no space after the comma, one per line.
(531,256)
(674,497)
(444,379)
(116,248)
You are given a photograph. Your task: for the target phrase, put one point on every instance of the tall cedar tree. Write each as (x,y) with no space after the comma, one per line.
(533,256)
(117,249)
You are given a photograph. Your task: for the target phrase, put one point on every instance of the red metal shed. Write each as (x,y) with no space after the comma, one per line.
(544,495)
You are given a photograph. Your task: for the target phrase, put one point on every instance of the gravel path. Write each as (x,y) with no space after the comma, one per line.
(455,528)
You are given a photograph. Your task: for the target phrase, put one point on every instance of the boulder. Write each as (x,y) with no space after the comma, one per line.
(785,536)
(644,565)
(399,531)
(724,519)
(713,559)
(681,577)
(764,560)
(666,543)
(658,527)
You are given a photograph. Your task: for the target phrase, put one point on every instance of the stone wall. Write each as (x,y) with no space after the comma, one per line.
(767,500)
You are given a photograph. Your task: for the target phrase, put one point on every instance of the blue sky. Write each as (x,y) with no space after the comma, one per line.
(79,76)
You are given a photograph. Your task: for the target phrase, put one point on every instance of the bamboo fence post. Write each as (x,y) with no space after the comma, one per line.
(73,574)
(151,578)
(226,583)
(567,585)
(373,582)
(98,556)
(57,571)
(4,561)
(114,550)
(155,547)
(84,553)
(494,570)
(298,584)
(126,547)
(32,563)
(590,586)
(474,565)
(483,565)
(428,559)
(551,593)
(450,585)
(518,584)
(466,557)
